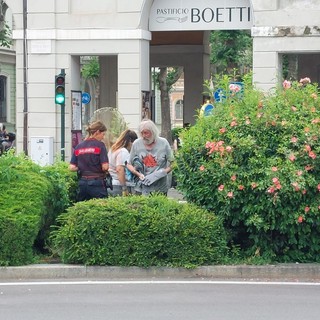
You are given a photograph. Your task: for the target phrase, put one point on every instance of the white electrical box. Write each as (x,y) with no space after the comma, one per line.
(42,150)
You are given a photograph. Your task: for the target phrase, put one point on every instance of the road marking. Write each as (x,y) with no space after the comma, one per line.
(157,282)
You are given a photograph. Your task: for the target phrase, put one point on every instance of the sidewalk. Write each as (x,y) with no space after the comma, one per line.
(175,194)
(281,272)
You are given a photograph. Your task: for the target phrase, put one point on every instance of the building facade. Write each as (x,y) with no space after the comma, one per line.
(131,37)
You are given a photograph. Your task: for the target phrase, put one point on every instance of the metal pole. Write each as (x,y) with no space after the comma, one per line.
(63,112)
(25,79)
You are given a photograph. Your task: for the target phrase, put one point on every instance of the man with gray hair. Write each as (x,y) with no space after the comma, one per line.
(152,155)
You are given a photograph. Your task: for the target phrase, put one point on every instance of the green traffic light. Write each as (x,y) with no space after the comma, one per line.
(60,89)
(60,99)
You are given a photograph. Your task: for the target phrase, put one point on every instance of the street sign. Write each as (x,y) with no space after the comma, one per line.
(206,109)
(86,97)
(219,95)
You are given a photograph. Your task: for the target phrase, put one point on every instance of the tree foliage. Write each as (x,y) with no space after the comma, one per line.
(91,68)
(231,49)
(5,31)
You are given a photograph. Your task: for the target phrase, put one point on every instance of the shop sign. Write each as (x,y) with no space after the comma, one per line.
(173,15)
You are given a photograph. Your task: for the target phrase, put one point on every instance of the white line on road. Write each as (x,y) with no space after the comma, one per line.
(190,282)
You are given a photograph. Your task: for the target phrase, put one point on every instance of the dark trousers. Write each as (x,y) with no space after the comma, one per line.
(90,189)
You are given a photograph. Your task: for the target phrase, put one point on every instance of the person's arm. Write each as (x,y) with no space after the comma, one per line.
(73,167)
(168,169)
(134,171)
(121,175)
(120,169)
(105,166)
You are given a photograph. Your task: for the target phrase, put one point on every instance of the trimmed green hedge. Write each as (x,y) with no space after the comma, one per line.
(139,231)
(31,198)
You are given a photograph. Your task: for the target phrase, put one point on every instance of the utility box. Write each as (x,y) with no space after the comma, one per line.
(42,150)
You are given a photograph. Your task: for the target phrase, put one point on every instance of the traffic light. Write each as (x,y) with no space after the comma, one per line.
(60,89)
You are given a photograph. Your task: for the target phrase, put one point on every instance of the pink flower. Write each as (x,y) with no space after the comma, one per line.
(233,123)
(234,177)
(228,149)
(253,185)
(314,95)
(294,139)
(312,155)
(271,190)
(286,84)
(300,219)
(234,88)
(304,191)
(274,169)
(275,180)
(292,157)
(208,144)
(296,186)
(201,168)
(278,186)
(221,187)
(308,168)
(305,80)
(222,130)
(230,194)
(315,121)
(299,173)
(318,187)
(307,148)
(306,209)
(248,121)
(241,187)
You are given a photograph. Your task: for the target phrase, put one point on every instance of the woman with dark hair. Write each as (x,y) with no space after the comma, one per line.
(90,160)
(121,172)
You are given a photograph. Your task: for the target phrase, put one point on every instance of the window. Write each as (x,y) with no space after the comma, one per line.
(3,99)
(179,109)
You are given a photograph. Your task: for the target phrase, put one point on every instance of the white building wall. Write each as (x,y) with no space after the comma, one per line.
(286,26)
(58,31)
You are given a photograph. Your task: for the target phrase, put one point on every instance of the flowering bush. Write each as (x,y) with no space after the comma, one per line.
(255,162)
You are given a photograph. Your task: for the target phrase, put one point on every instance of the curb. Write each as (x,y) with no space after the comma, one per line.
(281,272)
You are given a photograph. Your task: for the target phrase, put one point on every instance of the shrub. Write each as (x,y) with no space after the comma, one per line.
(255,163)
(63,194)
(24,194)
(139,231)
(31,199)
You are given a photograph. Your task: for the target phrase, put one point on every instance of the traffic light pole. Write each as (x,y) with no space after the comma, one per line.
(63,112)
(63,124)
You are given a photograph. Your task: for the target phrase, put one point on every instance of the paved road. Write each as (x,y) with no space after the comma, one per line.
(152,300)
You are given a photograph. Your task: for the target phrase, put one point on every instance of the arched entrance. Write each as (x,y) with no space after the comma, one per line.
(180,37)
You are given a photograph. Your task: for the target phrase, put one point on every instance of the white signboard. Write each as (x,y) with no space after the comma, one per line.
(178,15)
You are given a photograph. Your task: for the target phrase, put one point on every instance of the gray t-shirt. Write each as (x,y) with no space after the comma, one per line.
(159,157)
